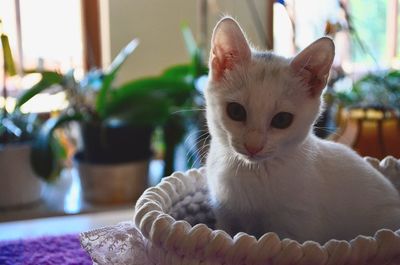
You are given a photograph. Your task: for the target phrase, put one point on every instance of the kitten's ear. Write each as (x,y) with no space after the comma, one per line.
(229,47)
(313,64)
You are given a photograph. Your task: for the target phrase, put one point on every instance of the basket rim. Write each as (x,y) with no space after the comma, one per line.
(201,242)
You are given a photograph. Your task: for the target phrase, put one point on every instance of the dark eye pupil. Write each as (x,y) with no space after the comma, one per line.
(282,120)
(236,111)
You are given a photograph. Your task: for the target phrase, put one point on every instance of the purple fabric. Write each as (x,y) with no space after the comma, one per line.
(49,250)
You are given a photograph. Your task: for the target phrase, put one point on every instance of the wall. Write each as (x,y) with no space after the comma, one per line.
(157,24)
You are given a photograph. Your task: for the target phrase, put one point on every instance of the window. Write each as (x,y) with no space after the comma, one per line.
(371,45)
(50,33)
(370,21)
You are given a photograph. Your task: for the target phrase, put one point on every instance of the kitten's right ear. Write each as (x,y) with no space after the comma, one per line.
(314,63)
(229,47)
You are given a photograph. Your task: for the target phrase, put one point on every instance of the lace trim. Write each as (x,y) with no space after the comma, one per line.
(119,244)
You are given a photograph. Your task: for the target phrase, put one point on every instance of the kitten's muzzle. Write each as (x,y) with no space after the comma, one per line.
(253,150)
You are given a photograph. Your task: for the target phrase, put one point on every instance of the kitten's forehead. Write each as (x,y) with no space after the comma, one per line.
(269,70)
(266,79)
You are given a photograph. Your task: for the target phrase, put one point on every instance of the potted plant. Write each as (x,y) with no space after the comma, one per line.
(380,89)
(116,125)
(187,118)
(19,184)
(368,117)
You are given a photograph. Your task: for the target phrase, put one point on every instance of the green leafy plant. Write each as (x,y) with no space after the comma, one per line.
(17,127)
(148,101)
(376,89)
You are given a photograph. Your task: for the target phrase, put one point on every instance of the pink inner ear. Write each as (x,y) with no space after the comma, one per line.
(229,48)
(221,61)
(313,80)
(313,65)
(313,68)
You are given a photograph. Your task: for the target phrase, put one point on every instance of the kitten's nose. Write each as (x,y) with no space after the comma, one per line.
(252,150)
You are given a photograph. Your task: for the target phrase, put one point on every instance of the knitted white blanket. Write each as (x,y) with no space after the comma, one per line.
(173,225)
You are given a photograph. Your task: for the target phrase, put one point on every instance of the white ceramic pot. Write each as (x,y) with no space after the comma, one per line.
(113,183)
(18,183)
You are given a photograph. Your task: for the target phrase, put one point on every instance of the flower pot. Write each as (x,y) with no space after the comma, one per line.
(18,183)
(370,131)
(112,183)
(113,163)
(120,143)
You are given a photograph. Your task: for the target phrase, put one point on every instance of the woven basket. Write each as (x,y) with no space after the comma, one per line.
(178,222)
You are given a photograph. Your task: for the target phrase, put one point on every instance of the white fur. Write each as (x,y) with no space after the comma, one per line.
(299,186)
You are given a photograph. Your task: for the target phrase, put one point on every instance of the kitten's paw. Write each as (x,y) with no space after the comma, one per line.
(389,167)
(373,161)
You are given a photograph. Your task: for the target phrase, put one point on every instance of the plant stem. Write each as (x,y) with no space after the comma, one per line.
(4,113)
(5,93)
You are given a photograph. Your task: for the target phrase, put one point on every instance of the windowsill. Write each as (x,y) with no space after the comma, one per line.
(62,225)
(64,197)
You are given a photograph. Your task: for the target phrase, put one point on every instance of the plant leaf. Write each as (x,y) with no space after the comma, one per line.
(110,74)
(199,68)
(150,99)
(44,158)
(189,40)
(48,79)
(9,66)
(182,72)
(153,111)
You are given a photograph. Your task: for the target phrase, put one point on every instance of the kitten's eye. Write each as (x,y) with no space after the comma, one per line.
(236,111)
(282,120)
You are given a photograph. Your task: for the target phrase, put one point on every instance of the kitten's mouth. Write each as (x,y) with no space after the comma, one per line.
(252,158)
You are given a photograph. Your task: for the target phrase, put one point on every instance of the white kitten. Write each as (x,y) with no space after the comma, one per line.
(266,170)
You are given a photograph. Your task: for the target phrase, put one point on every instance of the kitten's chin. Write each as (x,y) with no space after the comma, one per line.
(254,159)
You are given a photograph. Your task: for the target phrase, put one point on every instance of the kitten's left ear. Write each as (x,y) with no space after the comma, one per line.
(229,47)
(313,64)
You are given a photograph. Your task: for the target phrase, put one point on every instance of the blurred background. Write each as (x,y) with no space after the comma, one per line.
(100,99)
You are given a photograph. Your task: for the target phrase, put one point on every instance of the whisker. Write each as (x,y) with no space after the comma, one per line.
(202,152)
(196,140)
(189,136)
(187,110)
(237,170)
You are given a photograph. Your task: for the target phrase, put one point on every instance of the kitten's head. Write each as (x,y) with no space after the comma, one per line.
(260,105)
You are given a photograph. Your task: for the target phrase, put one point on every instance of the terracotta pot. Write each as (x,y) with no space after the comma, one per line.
(18,183)
(370,131)
(112,183)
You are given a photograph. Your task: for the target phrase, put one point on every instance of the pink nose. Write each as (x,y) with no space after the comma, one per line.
(252,150)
